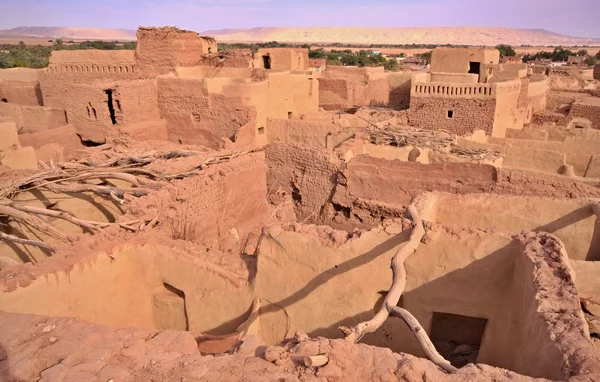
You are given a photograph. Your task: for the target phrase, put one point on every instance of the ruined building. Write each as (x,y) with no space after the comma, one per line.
(183,213)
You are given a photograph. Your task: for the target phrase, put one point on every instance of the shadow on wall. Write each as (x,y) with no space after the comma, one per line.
(572,218)
(323,278)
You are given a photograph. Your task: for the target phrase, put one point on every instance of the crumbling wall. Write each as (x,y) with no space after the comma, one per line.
(305,132)
(308,174)
(219,210)
(32,119)
(69,67)
(12,155)
(587,109)
(98,110)
(20,86)
(196,117)
(161,50)
(371,188)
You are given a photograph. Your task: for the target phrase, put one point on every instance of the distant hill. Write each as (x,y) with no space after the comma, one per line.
(357,35)
(68,33)
(430,35)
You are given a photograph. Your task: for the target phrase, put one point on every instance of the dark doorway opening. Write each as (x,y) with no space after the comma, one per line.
(450,114)
(457,338)
(266,62)
(111,107)
(474,67)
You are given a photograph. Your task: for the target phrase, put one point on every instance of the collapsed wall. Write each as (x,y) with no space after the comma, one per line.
(161,50)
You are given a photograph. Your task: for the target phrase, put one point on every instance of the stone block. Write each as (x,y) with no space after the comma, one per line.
(19,159)
(8,135)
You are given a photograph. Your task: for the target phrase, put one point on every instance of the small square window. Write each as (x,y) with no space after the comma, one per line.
(450,114)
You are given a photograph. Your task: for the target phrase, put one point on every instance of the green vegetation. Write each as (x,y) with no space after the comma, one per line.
(425,57)
(506,51)
(558,55)
(591,60)
(37,56)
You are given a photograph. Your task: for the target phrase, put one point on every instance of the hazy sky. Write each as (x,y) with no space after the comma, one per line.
(578,18)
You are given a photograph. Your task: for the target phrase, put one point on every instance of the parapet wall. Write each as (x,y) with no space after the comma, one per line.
(447,90)
(461,78)
(92,68)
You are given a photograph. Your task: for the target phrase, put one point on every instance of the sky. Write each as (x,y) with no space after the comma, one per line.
(578,18)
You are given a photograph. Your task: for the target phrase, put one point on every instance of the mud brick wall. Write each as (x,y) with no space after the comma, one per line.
(195,117)
(162,49)
(56,84)
(542,117)
(468,114)
(587,111)
(137,100)
(21,92)
(597,72)
(333,91)
(522,100)
(308,174)
(31,119)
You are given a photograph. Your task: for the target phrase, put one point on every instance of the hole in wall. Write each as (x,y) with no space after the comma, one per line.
(290,114)
(414,154)
(87,143)
(111,107)
(450,114)
(261,131)
(457,338)
(90,107)
(4,100)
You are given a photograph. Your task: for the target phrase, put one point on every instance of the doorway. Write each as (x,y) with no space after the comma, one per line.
(457,338)
(474,67)
(266,62)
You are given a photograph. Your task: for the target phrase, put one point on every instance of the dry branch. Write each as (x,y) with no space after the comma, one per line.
(18,240)
(32,221)
(315,360)
(422,337)
(398,283)
(74,178)
(393,297)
